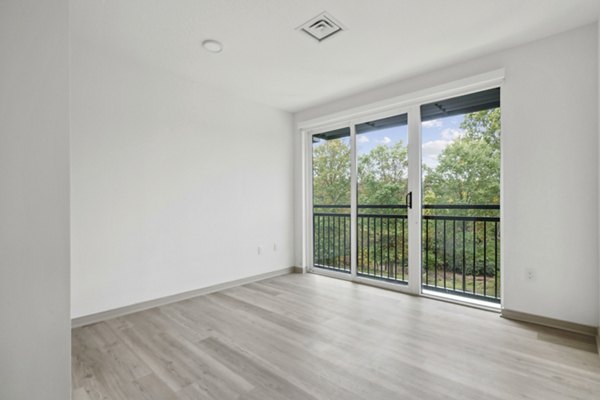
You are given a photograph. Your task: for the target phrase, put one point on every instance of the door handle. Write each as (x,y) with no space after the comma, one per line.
(408,200)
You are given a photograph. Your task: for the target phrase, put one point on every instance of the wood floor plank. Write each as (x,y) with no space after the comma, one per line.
(312,337)
(152,387)
(259,375)
(80,394)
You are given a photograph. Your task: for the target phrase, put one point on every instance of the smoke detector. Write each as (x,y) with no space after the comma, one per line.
(321,27)
(212,45)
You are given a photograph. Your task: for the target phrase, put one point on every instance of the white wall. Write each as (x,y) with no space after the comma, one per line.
(550,150)
(174,185)
(34,201)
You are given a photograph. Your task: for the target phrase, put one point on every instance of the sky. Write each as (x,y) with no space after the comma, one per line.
(436,135)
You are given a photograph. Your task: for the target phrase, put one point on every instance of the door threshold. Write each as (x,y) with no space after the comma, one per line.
(464,301)
(399,287)
(403,288)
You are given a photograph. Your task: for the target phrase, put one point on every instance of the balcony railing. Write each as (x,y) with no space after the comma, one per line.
(331,237)
(460,245)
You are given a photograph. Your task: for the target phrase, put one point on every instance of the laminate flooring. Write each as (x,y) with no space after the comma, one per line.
(304,336)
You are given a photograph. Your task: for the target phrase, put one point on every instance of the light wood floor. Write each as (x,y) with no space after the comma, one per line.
(312,337)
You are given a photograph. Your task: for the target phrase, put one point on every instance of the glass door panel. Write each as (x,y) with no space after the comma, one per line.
(331,177)
(461,196)
(382,189)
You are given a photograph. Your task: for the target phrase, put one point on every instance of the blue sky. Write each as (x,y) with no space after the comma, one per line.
(367,141)
(437,134)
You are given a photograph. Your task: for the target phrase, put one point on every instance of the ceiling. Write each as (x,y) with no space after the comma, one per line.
(267,60)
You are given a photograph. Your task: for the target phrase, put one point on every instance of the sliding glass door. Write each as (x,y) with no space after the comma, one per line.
(461,195)
(411,198)
(360,200)
(331,175)
(382,218)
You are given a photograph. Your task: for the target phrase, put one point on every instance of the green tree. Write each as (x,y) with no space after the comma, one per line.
(382,175)
(331,172)
(468,173)
(483,125)
(468,170)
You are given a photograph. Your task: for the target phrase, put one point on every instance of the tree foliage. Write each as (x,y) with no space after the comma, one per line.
(468,171)
(484,125)
(382,175)
(331,172)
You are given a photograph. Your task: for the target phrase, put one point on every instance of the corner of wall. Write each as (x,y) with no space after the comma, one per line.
(598,100)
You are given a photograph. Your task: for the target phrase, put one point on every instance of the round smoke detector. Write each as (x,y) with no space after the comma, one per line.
(212,45)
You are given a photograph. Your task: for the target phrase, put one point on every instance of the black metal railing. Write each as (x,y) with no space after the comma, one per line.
(382,242)
(331,237)
(460,245)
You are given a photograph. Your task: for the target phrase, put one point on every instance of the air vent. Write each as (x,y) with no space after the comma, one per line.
(321,27)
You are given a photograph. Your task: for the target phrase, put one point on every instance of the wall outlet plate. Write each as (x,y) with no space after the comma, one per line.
(530,274)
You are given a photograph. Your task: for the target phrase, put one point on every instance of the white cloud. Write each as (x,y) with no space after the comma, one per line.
(434,123)
(386,140)
(431,150)
(452,133)
(362,139)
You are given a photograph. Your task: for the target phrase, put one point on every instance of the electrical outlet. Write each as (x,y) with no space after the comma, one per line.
(259,250)
(530,274)
(274,246)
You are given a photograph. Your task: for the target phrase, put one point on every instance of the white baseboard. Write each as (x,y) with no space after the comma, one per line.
(550,322)
(119,312)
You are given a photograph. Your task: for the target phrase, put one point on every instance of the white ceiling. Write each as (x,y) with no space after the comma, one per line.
(267,60)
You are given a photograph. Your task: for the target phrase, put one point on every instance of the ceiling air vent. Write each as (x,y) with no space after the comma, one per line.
(321,27)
